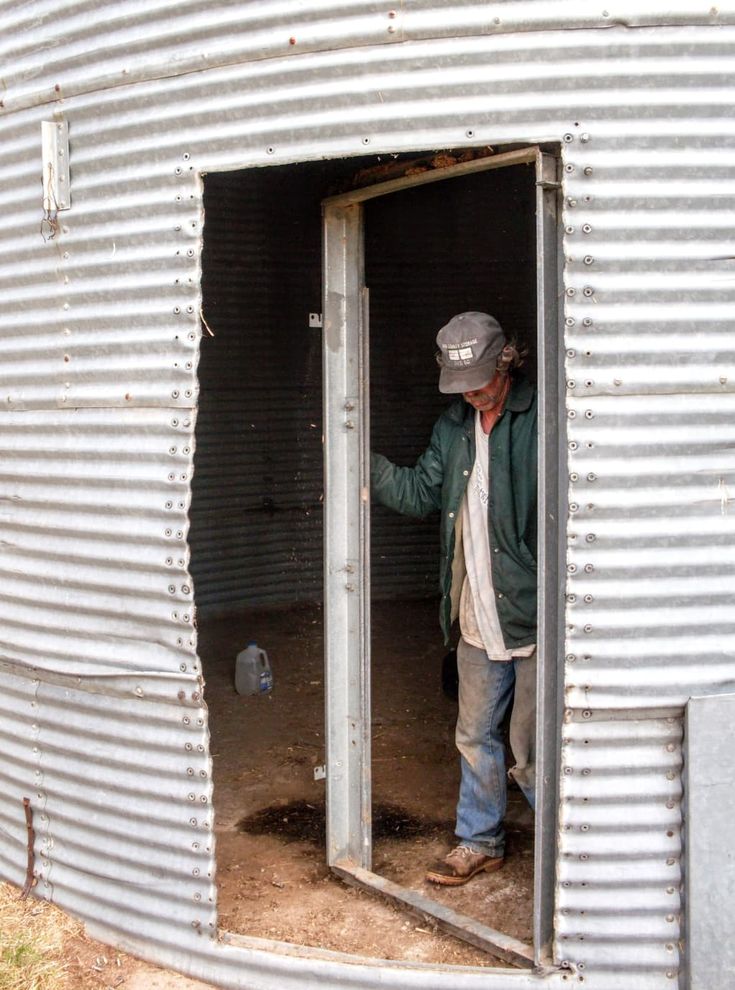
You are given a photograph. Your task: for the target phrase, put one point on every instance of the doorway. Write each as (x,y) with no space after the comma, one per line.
(257,534)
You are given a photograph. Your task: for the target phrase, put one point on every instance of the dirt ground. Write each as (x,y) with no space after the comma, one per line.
(271,872)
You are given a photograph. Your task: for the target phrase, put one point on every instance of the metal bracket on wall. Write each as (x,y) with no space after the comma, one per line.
(55,156)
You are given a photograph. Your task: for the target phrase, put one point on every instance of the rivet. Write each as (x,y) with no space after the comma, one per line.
(584,828)
(574,476)
(671,861)
(588,599)
(571,599)
(571,201)
(470,133)
(190,771)
(587,322)
(590,537)
(570,321)
(569,168)
(573,445)
(572,413)
(584,857)
(568,138)
(366,140)
(569,229)
(588,290)
(573,507)
(270,149)
(571,353)
(587,629)
(588,170)
(570,291)
(177,170)
(587,714)
(568,771)
(670,747)
(588,414)
(589,260)
(587,228)
(671,890)
(670,918)
(584,138)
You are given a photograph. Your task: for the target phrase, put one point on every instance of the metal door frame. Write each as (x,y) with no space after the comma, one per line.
(347,549)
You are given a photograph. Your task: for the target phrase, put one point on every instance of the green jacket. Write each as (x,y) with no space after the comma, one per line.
(438,482)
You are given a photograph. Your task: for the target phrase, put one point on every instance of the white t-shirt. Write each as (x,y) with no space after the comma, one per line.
(478,614)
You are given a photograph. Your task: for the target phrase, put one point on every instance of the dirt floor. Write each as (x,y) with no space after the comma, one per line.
(272,877)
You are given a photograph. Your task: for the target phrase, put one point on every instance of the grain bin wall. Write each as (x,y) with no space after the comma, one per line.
(102,711)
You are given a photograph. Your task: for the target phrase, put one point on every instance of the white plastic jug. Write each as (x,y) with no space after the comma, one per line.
(253,674)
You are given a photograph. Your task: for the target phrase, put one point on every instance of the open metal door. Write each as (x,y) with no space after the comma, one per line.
(346,538)
(347,551)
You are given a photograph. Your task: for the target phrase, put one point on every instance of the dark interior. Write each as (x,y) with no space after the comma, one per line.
(430,252)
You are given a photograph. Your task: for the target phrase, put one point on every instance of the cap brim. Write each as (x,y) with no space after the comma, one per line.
(453,380)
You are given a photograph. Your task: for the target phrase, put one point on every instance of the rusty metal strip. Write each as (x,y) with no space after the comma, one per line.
(28,886)
(504,947)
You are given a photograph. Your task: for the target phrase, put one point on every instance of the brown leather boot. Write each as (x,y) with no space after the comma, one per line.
(461,865)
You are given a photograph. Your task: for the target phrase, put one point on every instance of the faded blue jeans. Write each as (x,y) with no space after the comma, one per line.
(486,689)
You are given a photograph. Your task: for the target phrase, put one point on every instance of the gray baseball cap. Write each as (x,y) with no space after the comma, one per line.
(469,346)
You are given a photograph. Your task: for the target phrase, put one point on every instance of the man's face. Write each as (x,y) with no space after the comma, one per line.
(489,396)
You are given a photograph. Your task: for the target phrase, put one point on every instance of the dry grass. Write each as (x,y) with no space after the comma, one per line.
(41,948)
(33,935)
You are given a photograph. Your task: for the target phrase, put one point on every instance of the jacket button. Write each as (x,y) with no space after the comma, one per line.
(451,515)
(496,549)
(500,594)
(465,473)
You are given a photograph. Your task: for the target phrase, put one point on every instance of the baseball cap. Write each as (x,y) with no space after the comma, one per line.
(469,346)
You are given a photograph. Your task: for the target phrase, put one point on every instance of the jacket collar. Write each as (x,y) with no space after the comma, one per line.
(519,399)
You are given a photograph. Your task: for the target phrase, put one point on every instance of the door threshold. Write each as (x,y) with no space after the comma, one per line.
(468,929)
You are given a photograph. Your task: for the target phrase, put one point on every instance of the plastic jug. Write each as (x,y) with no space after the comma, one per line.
(253,673)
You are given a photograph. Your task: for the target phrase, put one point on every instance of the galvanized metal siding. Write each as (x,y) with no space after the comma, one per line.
(122,277)
(134,42)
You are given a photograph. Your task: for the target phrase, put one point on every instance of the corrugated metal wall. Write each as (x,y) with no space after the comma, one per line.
(100,327)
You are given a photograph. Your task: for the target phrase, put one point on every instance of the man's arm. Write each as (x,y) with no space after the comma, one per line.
(413,491)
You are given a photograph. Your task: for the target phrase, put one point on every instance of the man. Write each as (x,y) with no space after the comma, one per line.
(479,471)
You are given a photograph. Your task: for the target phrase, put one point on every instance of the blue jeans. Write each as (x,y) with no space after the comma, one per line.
(486,689)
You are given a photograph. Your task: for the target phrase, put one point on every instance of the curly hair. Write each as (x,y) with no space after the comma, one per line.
(512,356)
